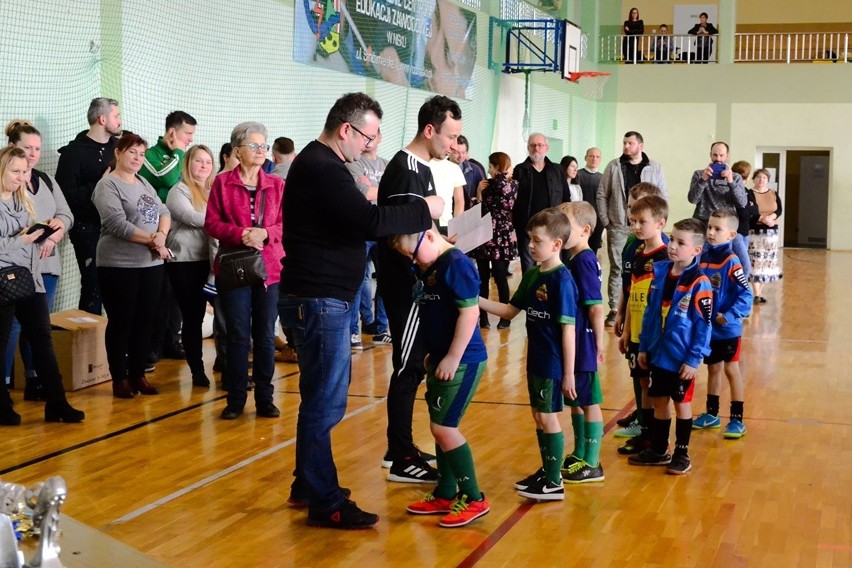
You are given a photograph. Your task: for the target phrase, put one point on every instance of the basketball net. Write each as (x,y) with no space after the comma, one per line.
(593,82)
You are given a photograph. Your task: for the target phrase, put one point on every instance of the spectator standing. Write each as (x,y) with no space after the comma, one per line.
(633,27)
(190,269)
(632,167)
(131,251)
(283,154)
(244,211)
(367,171)
(541,184)
(763,241)
(162,169)
(82,163)
(663,45)
(49,204)
(497,196)
(589,179)
(19,249)
(473,171)
(704,31)
(718,187)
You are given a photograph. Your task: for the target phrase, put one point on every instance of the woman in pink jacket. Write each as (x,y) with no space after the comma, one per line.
(244,210)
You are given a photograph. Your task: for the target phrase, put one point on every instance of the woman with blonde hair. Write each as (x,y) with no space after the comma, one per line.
(50,206)
(20,248)
(188,273)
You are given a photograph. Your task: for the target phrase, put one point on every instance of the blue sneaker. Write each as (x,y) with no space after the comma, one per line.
(630,432)
(734,430)
(706,421)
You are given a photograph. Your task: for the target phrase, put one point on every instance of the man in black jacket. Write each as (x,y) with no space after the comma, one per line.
(541,184)
(326,223)
(82,164)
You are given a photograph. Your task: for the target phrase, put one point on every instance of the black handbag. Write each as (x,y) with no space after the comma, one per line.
(242,266)
(16,284)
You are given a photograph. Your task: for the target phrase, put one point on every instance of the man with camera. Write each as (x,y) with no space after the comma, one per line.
(716,185)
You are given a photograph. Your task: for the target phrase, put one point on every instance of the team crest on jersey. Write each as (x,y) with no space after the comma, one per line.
(541,293)
(716,280)
(649,266)
(683,305)
(431,280)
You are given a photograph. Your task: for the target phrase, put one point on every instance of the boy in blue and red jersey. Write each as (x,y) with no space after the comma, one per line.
(732,299)
(675,337)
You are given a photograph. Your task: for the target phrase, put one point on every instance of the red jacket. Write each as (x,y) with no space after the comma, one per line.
(229,213)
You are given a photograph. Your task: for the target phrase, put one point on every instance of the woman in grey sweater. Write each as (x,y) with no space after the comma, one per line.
(187,203)
(131,251)
(18,248)
(50,205)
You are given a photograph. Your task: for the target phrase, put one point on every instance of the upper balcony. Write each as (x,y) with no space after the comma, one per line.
(800,47)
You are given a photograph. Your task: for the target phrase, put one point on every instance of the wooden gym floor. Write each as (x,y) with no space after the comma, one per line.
(165,476)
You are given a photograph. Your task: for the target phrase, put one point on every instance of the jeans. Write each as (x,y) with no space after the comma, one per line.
(524,253)
(50,282)
(740,246)
(320,330)
(364,301)
(187,281)
(131,296)
(616,239)
(249,318)
(85,241)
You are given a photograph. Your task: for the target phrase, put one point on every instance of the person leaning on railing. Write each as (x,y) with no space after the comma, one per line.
(704,42)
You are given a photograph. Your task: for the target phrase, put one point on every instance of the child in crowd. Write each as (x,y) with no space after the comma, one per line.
(548,295)
(732,299)
(648,217)
(675,337)
(447,291)
(630,426)
(583,464)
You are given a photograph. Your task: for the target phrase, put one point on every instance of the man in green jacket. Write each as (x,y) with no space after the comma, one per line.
(163,160)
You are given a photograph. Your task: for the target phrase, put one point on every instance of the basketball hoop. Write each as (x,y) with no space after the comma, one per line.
(593,87)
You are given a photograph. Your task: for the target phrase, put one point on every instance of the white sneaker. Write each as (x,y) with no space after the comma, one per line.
(355,342)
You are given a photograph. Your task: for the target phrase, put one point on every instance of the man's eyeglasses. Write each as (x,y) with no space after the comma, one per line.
(540,145)
(369,139)
(254,147)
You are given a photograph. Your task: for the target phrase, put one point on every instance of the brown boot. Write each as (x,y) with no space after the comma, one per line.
(142,386)
(122,389)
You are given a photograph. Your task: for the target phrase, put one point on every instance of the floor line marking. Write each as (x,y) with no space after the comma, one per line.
(222,473)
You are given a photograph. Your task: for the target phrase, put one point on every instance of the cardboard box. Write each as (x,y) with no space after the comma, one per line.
(78,338)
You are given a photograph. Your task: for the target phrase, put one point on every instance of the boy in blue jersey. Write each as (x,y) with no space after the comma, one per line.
(549,297)
(583,465)
(447,292)
(630,426)
(648,217)
(675,337)
(732,299)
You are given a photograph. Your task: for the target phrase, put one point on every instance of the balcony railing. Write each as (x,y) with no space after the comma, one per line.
(793,47)
(748,48)
(658,49)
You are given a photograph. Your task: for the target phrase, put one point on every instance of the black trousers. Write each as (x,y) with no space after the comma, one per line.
(166,330)
(130,296)
(499,270)
(187,281)
(408,370)
(34,317)
(85,241)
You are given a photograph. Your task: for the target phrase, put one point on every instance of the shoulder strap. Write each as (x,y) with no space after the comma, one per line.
(46,178)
